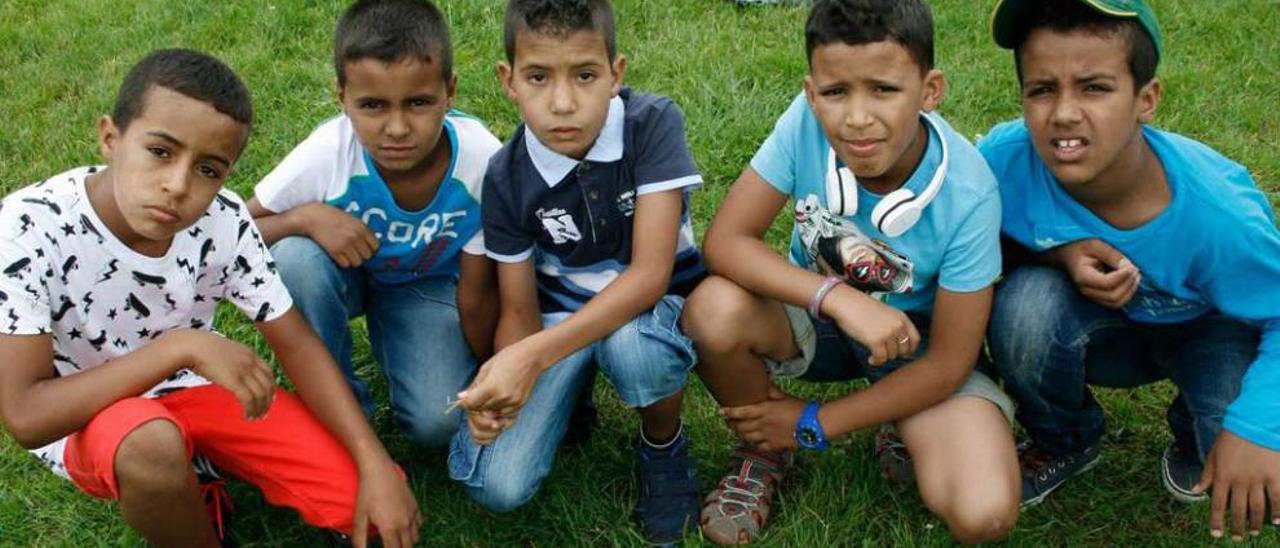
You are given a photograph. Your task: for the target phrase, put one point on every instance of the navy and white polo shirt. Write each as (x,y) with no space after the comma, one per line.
(575,218)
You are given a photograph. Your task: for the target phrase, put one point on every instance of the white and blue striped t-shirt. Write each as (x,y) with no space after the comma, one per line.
(331,166)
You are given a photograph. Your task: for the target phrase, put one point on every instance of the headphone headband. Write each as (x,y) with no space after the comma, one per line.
(899,210)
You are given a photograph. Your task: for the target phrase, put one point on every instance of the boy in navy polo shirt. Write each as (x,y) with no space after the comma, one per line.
(586,211)
(378,213)
(894,254)
(1176,264)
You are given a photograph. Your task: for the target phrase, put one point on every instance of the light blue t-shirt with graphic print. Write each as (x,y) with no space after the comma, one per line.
(1214,248)
(955,245)
(331,166)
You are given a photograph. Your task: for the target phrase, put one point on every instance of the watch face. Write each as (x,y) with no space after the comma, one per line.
(806,437)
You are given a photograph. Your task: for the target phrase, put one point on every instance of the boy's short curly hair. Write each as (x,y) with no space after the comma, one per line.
(559,18)
(856,22)
(1070,15)
(197,75)
(391,30)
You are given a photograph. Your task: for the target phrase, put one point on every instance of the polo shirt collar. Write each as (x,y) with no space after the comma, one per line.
(554,166)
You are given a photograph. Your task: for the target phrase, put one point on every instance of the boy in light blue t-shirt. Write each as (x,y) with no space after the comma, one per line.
(1158,258)
(893,256)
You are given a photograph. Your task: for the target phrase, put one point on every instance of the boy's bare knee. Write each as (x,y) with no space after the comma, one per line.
(981,522)
(713,313)
(153,458)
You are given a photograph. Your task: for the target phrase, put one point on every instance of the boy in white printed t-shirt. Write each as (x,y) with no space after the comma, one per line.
(112,375)
(378,213)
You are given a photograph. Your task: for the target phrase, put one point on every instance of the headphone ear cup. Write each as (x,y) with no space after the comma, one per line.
(842,192)
(896,213)
(898,221)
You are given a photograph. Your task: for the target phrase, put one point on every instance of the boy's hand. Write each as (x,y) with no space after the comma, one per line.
(1243,477)
(885,331)
(500,389)
(769,425)
(346,239)
(228,364)
(485,426)
(1100,272)
(385,501)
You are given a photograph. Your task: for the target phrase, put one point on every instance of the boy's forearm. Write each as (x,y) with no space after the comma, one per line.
(278,226)
(324,390)
(957,330)
(750,263)
(51,408)
(479,318)
(911,389)
(1254,415)
(634,291)
(478,304)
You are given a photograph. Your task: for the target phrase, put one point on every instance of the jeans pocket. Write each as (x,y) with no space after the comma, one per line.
(464,459)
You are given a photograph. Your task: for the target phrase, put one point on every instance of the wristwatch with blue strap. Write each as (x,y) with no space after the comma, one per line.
(809,433)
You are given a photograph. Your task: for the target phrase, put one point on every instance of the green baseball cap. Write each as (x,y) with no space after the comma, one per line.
(1007,19)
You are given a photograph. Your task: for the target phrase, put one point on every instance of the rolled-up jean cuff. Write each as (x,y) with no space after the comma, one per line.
(662,344)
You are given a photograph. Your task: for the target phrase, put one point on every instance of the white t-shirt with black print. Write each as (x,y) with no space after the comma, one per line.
(66,275)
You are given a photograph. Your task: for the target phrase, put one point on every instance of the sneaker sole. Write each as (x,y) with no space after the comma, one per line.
(1179,494)
(1034,501)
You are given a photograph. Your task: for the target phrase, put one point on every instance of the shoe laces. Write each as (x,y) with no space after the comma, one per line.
(741,490)
(218,504)
(887,441)
(1041,464)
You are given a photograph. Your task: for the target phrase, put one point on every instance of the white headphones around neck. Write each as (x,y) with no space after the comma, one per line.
(900,209)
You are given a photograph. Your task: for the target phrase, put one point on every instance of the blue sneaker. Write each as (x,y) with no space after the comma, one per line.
(1043,472)
(667,505)
(1180,470)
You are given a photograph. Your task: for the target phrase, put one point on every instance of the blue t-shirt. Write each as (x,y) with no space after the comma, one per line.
(575,218)
(955,245)
(331,166)
(1215,247)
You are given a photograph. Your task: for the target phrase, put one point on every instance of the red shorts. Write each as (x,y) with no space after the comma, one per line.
(288,454)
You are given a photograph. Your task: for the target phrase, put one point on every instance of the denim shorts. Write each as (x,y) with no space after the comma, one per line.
(828,355)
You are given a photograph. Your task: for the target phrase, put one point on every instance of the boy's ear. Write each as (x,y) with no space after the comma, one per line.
(452,89)
(809,92)
(108,137)
(1149,100)
(505,76)
(338,92)
(935,88)
(619,69)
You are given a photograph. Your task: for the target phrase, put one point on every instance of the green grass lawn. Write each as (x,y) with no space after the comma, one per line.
(733,71)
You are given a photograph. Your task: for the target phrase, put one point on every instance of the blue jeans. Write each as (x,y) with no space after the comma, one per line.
(646,360)
(414,332)
(1049,342)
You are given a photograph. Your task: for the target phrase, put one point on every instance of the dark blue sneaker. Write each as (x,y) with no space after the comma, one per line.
(667,505)
(1043,472)
(1180,470)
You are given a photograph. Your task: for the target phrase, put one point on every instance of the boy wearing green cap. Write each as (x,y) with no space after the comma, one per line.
(1155,258)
